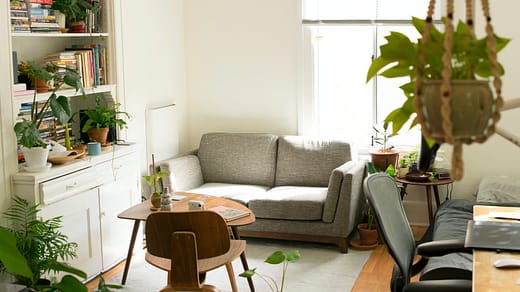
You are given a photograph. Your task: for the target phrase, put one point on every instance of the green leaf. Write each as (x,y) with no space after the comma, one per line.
(293,256)
(376,65)
(248,273)
(398,71)
(11,257)
(70,284)
(275,258)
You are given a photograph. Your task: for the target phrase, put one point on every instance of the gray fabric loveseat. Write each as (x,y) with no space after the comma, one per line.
(299,188)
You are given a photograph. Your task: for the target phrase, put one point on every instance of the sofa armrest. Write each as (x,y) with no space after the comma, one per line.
(344,195)
(185,173)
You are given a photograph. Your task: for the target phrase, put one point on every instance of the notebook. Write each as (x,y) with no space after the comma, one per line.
(495,235)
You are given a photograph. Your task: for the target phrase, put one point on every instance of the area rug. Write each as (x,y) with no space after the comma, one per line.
(320,268)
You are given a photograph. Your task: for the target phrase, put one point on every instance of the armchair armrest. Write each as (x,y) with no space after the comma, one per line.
(442,247)
(185,173)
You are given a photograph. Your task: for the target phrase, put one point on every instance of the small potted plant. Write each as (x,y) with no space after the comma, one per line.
(76,12)
(100,118)
(385,155)
(153,181)
(34,148)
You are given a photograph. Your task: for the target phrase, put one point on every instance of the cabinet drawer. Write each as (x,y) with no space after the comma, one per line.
(68,185)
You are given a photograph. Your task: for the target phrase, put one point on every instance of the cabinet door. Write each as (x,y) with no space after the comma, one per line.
(80,222)
(114,198)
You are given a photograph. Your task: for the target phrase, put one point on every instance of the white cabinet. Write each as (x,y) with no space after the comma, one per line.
(89,194)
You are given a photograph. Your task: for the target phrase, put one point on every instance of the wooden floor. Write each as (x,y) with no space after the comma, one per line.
(377,271)
(374,277)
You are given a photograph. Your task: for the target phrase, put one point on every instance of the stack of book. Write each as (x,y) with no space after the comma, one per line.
(42,18)
(19,16)
(91,63)
(65,60)
(20,89)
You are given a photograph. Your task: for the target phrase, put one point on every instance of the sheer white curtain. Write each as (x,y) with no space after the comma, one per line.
(340,39)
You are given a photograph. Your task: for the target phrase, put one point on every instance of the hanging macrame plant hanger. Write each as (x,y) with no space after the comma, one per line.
(452,127)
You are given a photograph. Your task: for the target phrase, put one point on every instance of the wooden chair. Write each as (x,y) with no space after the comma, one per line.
(189,244)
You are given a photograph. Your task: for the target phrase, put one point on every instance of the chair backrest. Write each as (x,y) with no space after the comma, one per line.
(210,230)
(384,199)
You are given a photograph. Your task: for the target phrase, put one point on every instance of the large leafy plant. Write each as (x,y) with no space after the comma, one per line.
(27,130)
(399,57)
(75,10)
(277,257)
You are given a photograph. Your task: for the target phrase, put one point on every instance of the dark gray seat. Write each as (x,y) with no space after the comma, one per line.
(384,199)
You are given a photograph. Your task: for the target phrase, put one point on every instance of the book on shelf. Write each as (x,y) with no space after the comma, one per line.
(24,92)
(41,17)
(19,16)
(229,213)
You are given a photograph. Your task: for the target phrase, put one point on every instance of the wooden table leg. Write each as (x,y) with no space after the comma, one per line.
(130,250)
(403,191)
(243,258)
(436,193)
(429,200)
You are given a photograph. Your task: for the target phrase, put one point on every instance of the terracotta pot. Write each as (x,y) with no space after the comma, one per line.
(471,108)
(98,135)
(39,85)
(382,159)
(81,148)
(367,236)
(78,26)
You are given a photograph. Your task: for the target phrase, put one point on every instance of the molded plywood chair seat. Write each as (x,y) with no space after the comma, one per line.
(189,244)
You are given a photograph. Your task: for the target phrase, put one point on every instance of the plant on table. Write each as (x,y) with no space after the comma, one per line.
(277,257)
(153,180)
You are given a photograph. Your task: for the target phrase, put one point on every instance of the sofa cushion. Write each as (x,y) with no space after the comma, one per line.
(238,158)
(304,161)
(184,173)
(290,203)
(240,193)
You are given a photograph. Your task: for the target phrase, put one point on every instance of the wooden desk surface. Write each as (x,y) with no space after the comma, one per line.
(436,182)
(142,210)
(485,276)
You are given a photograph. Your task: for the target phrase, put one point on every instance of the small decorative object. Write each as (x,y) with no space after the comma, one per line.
(153,181)
(277,257)
(94,148)
(166,202)
(440,66)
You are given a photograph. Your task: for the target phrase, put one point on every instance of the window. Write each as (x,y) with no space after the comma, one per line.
(340,39)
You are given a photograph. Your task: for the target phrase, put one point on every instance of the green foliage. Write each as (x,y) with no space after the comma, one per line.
(75,10)
(153,179)
(381,137)
(399,57)
(277,257)
(27,130)
(104,116)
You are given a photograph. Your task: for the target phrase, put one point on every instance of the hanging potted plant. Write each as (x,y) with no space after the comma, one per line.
(100,118)
(34,148)
(385,155)
(439,77)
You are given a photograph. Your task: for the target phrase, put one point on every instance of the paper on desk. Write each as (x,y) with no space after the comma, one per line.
(505,215)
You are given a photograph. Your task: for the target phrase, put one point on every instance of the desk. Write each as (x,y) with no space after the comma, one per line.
(429,184)
(485,276)
(141,211)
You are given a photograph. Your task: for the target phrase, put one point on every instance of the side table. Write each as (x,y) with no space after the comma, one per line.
(429,184)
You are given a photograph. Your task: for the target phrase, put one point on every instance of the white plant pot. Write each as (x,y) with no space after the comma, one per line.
(36,157)
(60,18)
(403,171)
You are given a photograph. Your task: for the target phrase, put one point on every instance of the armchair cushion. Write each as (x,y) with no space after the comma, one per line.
(185,173)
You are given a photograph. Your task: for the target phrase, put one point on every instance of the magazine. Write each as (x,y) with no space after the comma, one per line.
(229,213)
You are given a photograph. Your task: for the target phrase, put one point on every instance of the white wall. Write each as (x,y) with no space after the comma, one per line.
(241,58)
(153,65)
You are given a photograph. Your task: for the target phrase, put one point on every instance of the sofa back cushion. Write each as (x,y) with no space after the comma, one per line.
(305,161)
(239,158)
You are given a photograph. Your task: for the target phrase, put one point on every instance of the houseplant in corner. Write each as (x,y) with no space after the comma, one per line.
(34,148)
(426,64)
(100,118)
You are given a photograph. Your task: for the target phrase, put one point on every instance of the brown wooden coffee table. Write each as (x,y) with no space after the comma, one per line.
(141,211)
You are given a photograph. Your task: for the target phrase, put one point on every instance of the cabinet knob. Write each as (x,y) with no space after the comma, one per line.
(71,186)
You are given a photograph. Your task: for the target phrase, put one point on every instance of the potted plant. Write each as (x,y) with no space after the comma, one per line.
(100,118)
(423,63)
(277,257)
(32,248)
(385,155)
(34,148)
(153,181)
(76,12)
